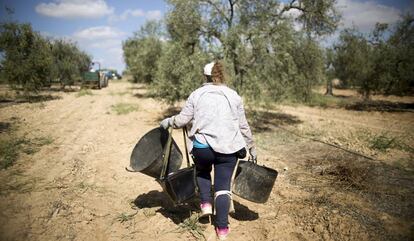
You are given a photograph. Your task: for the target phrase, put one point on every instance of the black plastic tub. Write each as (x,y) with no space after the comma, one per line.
(147,156)
(254,182)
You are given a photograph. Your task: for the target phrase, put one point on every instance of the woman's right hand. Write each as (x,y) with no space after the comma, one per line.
(253,153)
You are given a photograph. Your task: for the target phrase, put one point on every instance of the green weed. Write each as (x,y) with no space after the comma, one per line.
(41,141)
(84,92)
(11,146)
(20,185)
(192,225)
(9,151)
(124,108)
(326,101)
(382,142)
(124,217)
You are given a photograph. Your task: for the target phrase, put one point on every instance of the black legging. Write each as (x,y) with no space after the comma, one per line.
(223,169)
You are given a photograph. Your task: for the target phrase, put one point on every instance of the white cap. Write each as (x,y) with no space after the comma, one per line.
(208,68)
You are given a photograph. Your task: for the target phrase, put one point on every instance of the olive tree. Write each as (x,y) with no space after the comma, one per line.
(250,36)
(27,56)
(142,51)
(381,62)
(68,62)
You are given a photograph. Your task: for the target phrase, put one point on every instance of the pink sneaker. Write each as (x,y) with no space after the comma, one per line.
(222,233)
(206,209)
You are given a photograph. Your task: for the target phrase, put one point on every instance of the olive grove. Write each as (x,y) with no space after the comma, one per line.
(271,49)
(31,62)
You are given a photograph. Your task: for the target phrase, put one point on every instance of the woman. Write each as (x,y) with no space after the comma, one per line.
(219,130)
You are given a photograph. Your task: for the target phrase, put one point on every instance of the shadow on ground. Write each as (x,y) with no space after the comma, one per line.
(154,199)
(4,126)
(64,89)
(243,213)
(380,105)
(143,95)
(178,213)
(27,99)
(261,121)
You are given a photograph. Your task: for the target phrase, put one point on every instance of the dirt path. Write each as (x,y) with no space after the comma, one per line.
(77,188)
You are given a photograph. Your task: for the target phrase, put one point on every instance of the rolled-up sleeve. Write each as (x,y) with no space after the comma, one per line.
(186,114)
(244,126)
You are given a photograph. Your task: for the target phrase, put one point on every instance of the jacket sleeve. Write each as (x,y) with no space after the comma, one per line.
(244,126)
(186,114)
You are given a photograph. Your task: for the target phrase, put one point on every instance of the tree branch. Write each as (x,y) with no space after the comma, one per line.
(219,11)
(231,12)
(291,6)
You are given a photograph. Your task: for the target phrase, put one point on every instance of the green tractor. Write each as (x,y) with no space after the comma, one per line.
(94,78)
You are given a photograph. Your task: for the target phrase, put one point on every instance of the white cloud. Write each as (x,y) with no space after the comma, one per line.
(364,15)
(152,14)
(104,43)
(99,33)
(155,14)
(74,9)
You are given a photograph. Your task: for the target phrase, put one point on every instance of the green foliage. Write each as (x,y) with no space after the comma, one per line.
(31,61)
(9,152)
(288,70)
(192,225)
(326,101)
(376,63)
(178,73)
(27,56)
(69,62)
(265,57)
(355,61)
(142,51)
(84,92)
(382,142)
(399,55)
(11,146)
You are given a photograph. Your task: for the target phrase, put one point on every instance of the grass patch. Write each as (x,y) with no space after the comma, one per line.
(192,225)
(12,146)
(84,92)
(21,184)
(326,101)
(9,151)
(124,108)
(382,142)
(119,93)
(124,217)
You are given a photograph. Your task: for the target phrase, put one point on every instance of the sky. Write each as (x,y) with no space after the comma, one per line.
(100,26)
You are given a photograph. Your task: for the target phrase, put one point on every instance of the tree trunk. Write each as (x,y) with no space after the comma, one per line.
(329,87)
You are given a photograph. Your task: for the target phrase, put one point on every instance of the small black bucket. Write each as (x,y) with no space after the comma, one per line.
(253,182)
(180,185)
(148,153)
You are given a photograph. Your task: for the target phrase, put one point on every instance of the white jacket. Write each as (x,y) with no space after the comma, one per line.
(218,118)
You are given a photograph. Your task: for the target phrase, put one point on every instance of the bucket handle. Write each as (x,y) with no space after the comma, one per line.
(185,134)
(167,152)
(252,160)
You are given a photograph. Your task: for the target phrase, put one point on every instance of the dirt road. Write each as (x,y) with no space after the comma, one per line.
(76,188)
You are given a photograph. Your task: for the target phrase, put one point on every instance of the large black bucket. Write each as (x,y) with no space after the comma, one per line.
(253,182)
(180,185)
(147,156)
